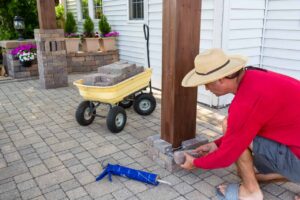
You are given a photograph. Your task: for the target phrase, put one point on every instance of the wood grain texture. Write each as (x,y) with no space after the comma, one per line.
(181,38)
(46,12)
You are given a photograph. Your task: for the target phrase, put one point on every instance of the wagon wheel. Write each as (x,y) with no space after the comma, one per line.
(85,113)
(144,104)
(116,119)
(125,104)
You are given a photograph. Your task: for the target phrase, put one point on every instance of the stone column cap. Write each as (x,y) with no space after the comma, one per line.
(10,44)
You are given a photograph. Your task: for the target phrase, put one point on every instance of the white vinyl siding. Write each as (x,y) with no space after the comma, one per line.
(242,31)
(210,37)
(155,25)
(131,42)
(281,50)
(243,23)
(72,7)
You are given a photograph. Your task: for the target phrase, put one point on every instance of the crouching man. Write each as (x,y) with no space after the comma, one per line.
(262,131)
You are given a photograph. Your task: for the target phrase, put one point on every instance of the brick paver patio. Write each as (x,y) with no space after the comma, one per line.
(45,154)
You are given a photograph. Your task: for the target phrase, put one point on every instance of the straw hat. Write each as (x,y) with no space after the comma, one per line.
(212,65)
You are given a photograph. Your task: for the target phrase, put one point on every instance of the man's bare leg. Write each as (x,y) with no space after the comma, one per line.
(270,177)
(249,189)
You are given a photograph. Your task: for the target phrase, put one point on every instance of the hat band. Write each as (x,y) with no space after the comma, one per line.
(212,71)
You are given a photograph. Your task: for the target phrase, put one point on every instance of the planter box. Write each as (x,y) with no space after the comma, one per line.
(108,44)
(91,44)
(72,44)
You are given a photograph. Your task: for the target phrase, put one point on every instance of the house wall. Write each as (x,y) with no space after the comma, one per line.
(208,39)
(281,50)
(242,31)
(267,31)
(131,41)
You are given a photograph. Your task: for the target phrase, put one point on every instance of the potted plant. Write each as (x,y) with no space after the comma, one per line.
(108,38)
(90,43)
(72,39)
(25,53)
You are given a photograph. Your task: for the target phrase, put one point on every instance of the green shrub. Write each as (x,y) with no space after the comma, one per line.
(88,27)
(104,26)
(59,12)
(9,9)
(70,25)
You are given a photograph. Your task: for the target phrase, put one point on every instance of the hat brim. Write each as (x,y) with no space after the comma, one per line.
(193,79)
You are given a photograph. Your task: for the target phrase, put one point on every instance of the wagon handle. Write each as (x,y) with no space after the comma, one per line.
(147,35)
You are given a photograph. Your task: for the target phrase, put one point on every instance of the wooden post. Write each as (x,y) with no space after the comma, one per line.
(181,38)
(46,11)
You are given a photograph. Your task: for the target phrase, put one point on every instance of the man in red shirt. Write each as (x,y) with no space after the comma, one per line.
(262,132)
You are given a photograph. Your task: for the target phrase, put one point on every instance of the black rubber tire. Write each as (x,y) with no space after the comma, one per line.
(125,104)
(116,119)
(81,111)
(144,104)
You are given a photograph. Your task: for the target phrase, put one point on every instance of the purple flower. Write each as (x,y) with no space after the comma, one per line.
(112,34)
(23,48)
(71,35)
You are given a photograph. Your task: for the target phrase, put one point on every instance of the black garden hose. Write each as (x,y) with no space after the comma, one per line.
(146,34)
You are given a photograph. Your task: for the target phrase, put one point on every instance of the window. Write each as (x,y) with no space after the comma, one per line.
(136,9)
(98,8)
(84,9)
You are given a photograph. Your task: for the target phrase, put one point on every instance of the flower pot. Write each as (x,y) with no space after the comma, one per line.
(72,44)
(26,63)
(91,44)
(108,44)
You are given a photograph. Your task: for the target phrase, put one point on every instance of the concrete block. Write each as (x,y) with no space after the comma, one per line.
(193,143)
(179,156)
(117,68)
(112,78)
(91,79)
(152,138)
(136,71)
(153,152)
(162,146)
(170,164)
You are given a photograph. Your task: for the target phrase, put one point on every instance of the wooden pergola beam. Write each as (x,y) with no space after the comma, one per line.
(46,12)
(181,39)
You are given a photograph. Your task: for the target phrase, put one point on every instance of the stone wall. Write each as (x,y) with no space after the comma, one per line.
(76,62)
(90,61)
(16,70)
(13,66)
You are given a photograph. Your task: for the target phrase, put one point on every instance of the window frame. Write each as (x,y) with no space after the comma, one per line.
(94,10)
(91,11)
(136,21)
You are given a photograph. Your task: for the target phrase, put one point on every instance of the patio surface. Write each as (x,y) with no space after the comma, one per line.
(45,154)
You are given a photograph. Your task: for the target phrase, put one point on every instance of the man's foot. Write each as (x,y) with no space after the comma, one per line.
(297,197)
(245,194)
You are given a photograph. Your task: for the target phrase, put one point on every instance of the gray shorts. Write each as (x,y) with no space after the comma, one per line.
(272,157)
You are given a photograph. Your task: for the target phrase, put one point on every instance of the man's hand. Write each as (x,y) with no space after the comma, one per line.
(206,149)
(189,162)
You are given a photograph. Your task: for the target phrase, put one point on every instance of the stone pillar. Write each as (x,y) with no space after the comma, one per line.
(52,60)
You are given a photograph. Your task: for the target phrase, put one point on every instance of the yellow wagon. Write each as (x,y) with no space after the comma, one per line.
(120,96)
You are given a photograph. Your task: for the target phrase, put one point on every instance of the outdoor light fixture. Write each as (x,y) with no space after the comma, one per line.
(19,25)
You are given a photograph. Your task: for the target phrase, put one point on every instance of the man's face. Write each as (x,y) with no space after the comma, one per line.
(217,87)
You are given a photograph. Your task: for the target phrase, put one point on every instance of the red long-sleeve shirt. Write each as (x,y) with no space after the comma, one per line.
(266,104)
